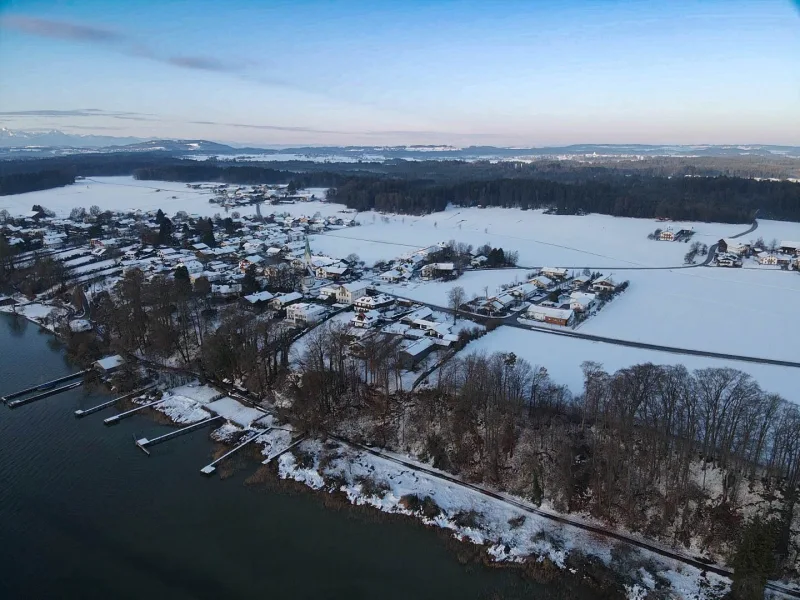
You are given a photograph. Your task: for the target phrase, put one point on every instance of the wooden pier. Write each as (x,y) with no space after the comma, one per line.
(210,468)
(124,415)
(291,445)
(144,443)
(80,413)
(52,392)
(43,386)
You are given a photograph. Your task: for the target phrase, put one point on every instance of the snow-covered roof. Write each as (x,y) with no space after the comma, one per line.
(110,362)
(259,297)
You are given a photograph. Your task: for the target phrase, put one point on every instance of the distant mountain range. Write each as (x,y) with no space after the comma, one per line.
(48,143)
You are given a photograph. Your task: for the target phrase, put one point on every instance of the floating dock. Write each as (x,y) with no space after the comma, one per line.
(80,413)
(43,386)
(210,468)
(52,392)
(124,415)
(144,443)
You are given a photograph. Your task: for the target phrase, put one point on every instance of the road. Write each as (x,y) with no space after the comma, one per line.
(531,509)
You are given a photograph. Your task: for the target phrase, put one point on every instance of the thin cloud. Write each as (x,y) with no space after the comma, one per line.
(61,29)
(81,112)
(77,32)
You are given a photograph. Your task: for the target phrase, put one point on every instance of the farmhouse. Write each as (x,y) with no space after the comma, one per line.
(667,235)
(257,300)
(556,316)
(732,246)
(437,270)
(788,247)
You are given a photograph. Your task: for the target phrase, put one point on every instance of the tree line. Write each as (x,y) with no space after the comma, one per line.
(20,183)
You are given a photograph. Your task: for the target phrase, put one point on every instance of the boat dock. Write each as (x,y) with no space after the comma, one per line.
(210,468)
(124,415)
(80,413)
(143,443)
(43,386)
(291,445)
(52,392)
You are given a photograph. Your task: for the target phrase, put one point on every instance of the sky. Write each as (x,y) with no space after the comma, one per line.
(512,73)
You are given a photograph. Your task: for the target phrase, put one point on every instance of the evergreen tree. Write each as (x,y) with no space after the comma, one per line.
(754,561)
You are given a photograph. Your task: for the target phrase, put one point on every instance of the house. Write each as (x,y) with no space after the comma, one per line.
(331,271)
(555,316)
(348,293)
(788,247)
(328,291)
(109,364)
(365,318)
(253,259)
(192,266)
(478,261)
(542,282)
(581,301)
(373,302)
(420,313)
(283,300)
(767,258)
(554,273)
(416,352)
(732,246)
(226,290)
(728,260)
(304,313)
(433,270)
(392,276)
(523,291)
(604,284)
(667,235)
(257,300)
(580,281)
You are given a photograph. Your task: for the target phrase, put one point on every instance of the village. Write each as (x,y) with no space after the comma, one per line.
(265,265)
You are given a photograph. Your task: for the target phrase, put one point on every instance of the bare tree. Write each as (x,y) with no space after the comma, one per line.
(455,298)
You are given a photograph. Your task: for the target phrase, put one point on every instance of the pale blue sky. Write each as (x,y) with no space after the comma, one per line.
(459,72)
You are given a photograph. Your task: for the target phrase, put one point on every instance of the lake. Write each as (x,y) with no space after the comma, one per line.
(84,514)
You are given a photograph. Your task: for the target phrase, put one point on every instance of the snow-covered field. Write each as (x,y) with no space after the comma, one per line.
(749,312)
(562,357)
(127,193)
(475,283)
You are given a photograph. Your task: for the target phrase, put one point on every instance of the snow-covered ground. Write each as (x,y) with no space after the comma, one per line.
(127,193)
(510,532)
(748,312)
(562,357)
(234,411)
(475,283)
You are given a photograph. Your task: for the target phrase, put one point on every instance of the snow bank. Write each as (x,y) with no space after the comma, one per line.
(234,411)
(510,533)
(182,410)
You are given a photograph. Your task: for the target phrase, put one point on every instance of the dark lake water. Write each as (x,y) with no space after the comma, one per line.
(84,514)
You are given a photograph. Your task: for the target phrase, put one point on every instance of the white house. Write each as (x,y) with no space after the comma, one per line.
(580,301)
(348,293)
(331,271)
(258,298)
(304,313)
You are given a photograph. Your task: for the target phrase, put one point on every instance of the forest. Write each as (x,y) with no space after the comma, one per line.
(657,187)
